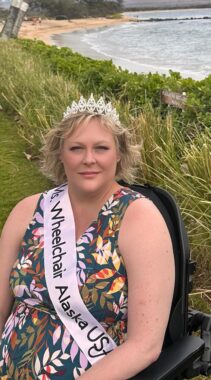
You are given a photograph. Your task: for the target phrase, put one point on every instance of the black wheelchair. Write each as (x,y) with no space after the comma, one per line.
(187,346)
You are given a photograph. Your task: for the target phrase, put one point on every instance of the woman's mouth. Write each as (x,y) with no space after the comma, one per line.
(89,174)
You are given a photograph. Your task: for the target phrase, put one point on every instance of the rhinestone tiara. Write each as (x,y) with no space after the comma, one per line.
(97,108)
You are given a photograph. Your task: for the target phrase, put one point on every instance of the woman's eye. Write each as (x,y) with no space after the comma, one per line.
(101,147)
(75,148)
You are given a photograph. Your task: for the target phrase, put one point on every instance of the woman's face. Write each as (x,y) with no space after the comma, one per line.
(90,157)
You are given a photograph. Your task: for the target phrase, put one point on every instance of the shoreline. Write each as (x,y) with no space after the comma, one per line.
(48,28)
(70,34)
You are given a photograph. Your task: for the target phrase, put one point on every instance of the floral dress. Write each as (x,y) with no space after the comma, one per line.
(35,344)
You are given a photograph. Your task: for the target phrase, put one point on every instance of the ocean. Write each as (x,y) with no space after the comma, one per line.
(181,44)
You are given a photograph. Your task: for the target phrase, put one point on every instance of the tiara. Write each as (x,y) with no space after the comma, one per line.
(93,107)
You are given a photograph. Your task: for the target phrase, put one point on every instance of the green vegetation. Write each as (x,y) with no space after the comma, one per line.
(73,9)
(29,89)
(38,82)
(130,88)
(19,177)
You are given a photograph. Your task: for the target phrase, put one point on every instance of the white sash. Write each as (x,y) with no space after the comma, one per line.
(60,271)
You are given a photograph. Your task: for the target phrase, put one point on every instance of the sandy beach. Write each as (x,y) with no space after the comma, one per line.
(47,28)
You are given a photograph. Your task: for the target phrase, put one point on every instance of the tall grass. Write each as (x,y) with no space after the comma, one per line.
(19,177)
(182,165)
(31,92)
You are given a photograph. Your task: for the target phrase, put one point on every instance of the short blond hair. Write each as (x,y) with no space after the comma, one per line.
(129,152)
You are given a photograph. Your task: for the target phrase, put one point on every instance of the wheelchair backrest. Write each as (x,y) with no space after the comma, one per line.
(177,325)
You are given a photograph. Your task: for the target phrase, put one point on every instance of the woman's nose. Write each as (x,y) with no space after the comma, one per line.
(89,157)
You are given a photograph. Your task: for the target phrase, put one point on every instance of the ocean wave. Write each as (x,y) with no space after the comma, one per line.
(149,47)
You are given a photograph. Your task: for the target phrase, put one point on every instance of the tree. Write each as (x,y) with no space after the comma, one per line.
(14,19)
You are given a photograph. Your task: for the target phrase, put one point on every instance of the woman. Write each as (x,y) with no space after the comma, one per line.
(93,279)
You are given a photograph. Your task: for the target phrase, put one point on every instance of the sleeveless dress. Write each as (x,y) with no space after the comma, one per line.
(35,344)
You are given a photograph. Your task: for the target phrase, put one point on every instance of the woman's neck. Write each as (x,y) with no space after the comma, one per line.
(92,202)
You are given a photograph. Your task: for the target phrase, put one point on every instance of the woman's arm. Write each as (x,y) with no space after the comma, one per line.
(10,240)
(146,247)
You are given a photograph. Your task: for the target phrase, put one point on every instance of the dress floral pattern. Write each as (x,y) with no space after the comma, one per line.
(35,344)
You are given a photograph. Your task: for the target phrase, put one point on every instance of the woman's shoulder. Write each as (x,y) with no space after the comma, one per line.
(127,195)
(142,221)
(135,201)
(21,215)
(142,209)
(27,205)
(142,214)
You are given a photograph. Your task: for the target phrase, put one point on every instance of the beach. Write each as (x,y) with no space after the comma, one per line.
(179,45)
(44,30)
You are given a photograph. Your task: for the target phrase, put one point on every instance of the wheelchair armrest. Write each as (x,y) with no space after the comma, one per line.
(174,360)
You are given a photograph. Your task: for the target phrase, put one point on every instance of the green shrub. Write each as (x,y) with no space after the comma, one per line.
(103,77)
